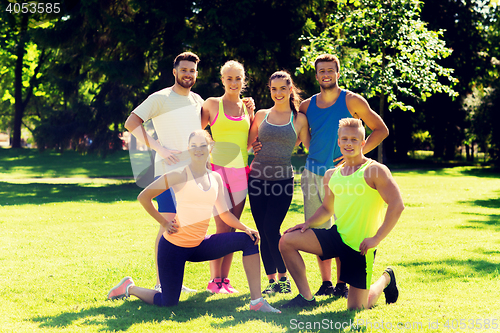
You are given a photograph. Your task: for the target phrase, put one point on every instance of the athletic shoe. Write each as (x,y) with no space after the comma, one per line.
(284,286)
(263,306)
(299,302)
(272,287)
(391,291)
(341,291)
(326,289)
(229,288)
(215,287)
(121,289)
(184,289)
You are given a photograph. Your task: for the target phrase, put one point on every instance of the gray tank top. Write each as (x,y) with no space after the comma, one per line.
(274,160)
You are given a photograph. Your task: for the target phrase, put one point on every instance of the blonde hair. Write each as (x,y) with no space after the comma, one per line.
(234,64)
(352,122)
(204,133)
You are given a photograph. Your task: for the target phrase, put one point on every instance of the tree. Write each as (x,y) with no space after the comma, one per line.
(483,102)
(464,24)
(386,52)
(263,35)
(24,63)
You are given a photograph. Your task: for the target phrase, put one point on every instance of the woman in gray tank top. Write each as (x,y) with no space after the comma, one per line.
(270,184)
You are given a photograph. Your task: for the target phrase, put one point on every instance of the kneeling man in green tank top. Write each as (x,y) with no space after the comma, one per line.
(356,192)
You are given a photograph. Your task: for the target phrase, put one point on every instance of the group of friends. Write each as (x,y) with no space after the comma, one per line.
(197,178)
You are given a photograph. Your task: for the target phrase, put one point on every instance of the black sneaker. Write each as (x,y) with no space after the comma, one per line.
(326,289)
(272,287)
(341,291)
(391,291)
(284,286)
(299,302)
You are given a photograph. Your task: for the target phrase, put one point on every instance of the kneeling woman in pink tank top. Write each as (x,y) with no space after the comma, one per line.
(197,190)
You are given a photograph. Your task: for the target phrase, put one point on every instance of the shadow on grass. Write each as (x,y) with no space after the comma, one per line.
(483,220)
(448,170)
(454,269)
(487,172)
(488,203)
(42,193)
(222,313)
(489,221)
(296,208)
(66,164)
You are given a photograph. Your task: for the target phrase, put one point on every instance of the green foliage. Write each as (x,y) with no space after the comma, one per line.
(471,30)
(385,50)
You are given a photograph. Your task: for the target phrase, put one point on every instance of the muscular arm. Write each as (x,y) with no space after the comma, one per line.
(359,108)
(324,212)
(154,189)
(134,125)
(380,178)
(304,135)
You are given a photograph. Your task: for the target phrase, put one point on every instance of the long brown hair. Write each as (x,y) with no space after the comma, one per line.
(295,98)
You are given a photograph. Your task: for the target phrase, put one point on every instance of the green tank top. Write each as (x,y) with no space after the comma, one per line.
(231,137)
(358,207)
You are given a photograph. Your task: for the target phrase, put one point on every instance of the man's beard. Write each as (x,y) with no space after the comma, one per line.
(328,86)
(185,84)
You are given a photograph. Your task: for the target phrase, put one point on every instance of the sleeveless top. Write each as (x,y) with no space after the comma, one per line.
(274,160)
(231,138)
(324,124)
(357,206)
(194,210)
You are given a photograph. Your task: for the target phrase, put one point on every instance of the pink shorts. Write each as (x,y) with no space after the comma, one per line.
(235,179)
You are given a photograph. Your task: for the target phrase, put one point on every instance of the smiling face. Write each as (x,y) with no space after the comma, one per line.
(199,148)
(327,74)
(280,91)
(351,141)
(185,74)
(233,80)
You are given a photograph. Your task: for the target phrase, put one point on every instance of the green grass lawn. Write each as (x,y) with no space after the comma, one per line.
(71,228)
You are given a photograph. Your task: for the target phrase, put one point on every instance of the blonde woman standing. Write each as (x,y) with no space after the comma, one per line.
(229,121)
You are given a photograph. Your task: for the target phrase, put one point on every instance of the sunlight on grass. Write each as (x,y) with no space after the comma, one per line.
(66,241)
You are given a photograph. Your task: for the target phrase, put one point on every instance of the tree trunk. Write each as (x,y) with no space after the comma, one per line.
(18,83)
(380,151)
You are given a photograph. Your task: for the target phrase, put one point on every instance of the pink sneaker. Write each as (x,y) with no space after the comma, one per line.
(215,287)
(121,289)
(226,285)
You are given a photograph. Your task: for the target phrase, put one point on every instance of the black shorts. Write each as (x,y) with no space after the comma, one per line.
(356,269)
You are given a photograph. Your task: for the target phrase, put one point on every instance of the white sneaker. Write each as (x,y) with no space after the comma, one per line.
(188,290)
(184,289)
(263,306)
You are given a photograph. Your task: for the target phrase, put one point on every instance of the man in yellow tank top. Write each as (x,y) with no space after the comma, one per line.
(355,192)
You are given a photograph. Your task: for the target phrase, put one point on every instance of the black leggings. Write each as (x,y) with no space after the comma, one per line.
(269,202)
(172,260)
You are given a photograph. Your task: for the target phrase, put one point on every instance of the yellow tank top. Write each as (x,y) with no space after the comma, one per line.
(231,136)
(194,210)
(357,206)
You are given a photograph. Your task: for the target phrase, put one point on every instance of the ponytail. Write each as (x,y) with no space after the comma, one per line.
(295,98)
